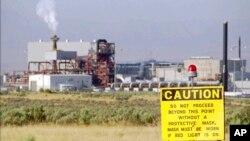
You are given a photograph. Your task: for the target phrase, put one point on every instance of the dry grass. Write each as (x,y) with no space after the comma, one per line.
(82,96)
(59,96)
(81,133)
(75,132)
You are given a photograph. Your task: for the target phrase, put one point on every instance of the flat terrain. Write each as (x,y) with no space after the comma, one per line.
(80,133)
(93,117)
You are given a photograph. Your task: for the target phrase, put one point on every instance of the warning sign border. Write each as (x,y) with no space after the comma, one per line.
(190,88)
(194,87)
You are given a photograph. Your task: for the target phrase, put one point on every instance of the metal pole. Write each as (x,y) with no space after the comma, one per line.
(174,74)
(164,74)
(192,81)
(225,70)
(239,48)
(43,81)
(115,66)
(242,69)
(234,75)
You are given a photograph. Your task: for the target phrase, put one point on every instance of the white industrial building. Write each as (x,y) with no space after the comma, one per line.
(209,68)
(172,72)
(42,52)
(242,86)
(236,65)
(151,70)
(59,82)
(38,50)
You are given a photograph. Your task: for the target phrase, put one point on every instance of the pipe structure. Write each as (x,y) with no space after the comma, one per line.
(225,70)
(39,64)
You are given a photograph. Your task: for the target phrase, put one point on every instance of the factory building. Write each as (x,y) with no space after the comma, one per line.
(211,69)
(91,58)
(59,82)
(131,72)
(38,50)
(239,76)
(207,67)
(170,72)
(242,86)
(150,71)
(236,65)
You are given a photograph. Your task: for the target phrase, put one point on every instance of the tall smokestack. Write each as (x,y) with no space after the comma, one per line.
(239,48)
(225,70)
(54,40)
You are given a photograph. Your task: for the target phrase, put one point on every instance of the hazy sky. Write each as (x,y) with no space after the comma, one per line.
(169,30)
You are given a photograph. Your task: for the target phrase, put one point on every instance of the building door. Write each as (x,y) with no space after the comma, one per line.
(33,85)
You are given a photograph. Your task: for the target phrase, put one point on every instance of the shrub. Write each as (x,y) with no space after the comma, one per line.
(237,116)
(123,96)
(85,116)
(29,138)
(68,111)
(13,117)
(54,115)
(71,117)
(136,117)
(147,118)
(48,91)
(41,90)
(35,113)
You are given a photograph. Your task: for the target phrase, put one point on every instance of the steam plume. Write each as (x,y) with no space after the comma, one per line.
(46,10)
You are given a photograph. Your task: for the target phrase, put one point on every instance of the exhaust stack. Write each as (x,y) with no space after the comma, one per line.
(225,70)
(54,40)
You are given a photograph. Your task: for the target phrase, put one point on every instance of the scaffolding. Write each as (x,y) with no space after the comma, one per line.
(101,64)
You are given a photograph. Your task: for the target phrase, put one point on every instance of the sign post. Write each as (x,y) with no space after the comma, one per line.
(192,113)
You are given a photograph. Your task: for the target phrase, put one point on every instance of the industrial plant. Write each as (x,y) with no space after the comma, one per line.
(85,66)
(66,65)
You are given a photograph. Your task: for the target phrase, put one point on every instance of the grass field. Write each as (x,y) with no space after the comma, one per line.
(93,117)
(80,133)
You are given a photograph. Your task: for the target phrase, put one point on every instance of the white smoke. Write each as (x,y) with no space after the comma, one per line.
(46,10)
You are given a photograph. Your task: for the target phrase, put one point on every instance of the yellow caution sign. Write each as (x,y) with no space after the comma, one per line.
(192,113)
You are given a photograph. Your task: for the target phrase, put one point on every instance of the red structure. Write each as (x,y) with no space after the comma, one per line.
(101,63)
(21,77)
